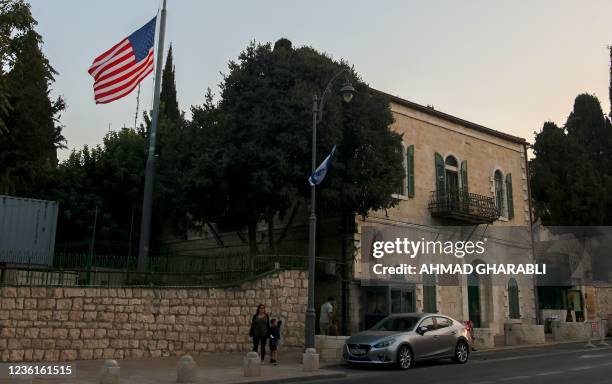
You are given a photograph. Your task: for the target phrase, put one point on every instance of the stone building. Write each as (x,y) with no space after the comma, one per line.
(462,181)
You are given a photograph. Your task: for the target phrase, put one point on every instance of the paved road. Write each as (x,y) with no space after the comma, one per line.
(567,363)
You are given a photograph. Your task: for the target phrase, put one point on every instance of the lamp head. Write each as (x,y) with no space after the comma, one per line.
(348,92)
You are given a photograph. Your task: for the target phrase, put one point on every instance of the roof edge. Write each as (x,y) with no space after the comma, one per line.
(451,118)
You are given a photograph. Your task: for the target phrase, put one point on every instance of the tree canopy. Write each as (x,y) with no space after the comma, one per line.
(263,126)
(29,130)
(571,174)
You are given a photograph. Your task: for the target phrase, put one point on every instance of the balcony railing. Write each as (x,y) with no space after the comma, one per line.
(463,206)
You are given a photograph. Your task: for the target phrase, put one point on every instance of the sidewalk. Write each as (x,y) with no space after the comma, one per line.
(223,368)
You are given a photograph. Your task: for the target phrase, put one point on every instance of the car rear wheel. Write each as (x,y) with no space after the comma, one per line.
(462,352)
(404,357)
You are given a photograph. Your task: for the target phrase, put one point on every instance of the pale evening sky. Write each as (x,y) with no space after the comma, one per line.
(508,65)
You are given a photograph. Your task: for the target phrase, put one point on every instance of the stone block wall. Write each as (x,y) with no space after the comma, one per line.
(59,324)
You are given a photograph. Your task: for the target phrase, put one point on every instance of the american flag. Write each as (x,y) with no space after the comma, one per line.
(120,69)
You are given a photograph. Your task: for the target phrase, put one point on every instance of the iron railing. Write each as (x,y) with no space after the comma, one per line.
(163,270)
(463,206)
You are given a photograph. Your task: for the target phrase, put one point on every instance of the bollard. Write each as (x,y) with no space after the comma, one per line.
(252,365)
(186,369)
(310,360)
(602,333)
(555,326)
(589,334)
(109,372)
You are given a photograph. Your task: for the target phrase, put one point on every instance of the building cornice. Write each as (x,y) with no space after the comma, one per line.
(445,116)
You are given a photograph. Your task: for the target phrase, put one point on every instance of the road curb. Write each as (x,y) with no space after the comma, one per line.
(295,379)
(513,347)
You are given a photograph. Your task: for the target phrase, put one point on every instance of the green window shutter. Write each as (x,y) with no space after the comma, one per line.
(440,178)
(410,169)
(509,196)
(464,176)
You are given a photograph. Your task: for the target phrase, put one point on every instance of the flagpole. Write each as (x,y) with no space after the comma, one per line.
(147,200)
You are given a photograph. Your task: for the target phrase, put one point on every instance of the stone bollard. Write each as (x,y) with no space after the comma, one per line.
(109,372)
(589,335)
(252,365)
(602,333)
(186,369)
(310,360)
(555,326)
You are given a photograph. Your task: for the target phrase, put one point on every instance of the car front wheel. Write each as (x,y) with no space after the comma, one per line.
(462,352)
(404,357)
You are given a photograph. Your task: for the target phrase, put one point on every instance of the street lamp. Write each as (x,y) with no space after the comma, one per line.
(347,91)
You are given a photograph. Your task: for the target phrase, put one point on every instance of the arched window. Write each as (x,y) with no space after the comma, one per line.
(498,181)
(451,167)
(514,311)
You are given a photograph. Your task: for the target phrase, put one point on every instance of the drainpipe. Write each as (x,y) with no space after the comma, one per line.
(533,254)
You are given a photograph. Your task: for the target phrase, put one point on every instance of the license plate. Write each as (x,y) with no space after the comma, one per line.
(357,352)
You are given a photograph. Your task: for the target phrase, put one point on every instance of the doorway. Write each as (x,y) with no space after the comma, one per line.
(474,307)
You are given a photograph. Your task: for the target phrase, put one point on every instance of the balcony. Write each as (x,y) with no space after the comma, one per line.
(463,207)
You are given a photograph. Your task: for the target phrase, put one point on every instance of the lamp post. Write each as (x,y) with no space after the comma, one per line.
(347,92)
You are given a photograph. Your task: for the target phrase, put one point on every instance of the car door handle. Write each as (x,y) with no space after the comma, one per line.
(453,332)
(436,337)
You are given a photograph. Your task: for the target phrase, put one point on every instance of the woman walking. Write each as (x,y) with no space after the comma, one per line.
(260,330)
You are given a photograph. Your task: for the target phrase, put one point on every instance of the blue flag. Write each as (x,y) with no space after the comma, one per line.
(317,177)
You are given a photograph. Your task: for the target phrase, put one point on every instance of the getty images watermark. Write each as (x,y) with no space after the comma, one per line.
(411,249)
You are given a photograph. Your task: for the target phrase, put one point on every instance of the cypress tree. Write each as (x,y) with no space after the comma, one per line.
(168,101)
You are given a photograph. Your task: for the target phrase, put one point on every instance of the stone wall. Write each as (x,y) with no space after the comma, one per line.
(57,324)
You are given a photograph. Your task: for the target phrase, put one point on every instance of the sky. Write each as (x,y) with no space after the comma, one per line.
(507,65)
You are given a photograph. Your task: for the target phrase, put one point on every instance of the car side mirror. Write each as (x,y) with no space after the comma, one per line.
(422,330)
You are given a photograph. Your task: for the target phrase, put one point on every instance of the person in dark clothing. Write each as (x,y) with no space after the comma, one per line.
(275,336)
(260,330)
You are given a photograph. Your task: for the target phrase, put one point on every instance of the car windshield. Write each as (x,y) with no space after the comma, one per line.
(396,324)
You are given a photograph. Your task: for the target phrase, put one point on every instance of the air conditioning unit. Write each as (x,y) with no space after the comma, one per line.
(330,268)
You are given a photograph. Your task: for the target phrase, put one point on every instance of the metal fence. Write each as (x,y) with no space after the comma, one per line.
(164,269)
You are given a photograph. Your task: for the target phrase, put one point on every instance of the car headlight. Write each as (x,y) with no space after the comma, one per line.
(385,343)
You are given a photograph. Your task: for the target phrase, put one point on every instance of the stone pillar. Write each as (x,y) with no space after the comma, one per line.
(109,372)
(310,360)
(555,326)
(186,369)
(589,334)
(252,365)
(603,329)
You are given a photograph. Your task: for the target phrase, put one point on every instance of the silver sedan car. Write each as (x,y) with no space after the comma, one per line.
(402,339)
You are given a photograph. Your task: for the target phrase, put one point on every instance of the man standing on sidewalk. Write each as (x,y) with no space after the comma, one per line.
(327,309)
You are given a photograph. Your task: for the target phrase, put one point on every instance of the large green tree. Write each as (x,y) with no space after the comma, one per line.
(263,129)
(572,169)
(109,178)
(30,132)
